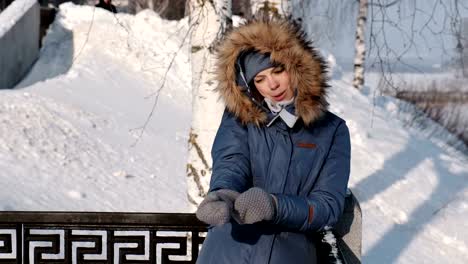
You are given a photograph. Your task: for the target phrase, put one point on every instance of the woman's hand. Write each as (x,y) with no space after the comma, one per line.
(254,205)
(217,207)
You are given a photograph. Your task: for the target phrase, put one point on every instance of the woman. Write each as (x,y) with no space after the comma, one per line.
(281,161)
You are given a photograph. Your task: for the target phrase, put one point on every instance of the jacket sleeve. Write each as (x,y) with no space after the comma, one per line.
(230,153)
(325,203)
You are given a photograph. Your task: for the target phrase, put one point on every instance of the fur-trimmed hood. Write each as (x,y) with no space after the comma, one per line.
(287,45)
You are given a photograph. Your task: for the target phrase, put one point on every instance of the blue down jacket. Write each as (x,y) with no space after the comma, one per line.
(306,167)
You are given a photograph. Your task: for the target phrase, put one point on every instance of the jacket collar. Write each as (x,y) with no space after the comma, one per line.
(287,115)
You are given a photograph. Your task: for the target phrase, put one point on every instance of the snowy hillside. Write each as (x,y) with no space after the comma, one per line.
(69,134)
(413,194)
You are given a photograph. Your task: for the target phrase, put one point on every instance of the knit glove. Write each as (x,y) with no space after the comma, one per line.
(217,206)
(254,205)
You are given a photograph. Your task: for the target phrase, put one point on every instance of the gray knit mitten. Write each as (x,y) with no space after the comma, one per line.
(217,207)
(254,205)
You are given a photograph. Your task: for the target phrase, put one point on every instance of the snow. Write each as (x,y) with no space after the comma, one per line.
(412,191)
(71,139)
(422,41)
(71,131)
(329,238)
(13,13)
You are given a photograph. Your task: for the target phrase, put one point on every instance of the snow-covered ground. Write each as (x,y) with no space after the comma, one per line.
(70,129)
(413,192)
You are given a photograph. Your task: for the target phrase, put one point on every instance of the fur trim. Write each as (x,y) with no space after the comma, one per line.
(287,45)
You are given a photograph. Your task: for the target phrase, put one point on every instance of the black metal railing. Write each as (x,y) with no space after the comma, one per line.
(118,238)
(77,237)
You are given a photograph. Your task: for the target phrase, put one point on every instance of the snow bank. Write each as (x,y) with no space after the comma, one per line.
(73,137)
(410,189)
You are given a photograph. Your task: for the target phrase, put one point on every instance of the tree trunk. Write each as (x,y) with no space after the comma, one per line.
(151,5)
(208,20)
(263,9)
(242,8)
(464,47)
(360,45)
(167,9)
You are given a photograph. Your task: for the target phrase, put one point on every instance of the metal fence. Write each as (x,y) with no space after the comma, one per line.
(58,2)
(76,237)
(118,238)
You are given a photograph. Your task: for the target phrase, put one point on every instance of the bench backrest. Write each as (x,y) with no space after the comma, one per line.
(92,237)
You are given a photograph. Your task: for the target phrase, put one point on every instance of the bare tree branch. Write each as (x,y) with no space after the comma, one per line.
(87,38)
(161,86)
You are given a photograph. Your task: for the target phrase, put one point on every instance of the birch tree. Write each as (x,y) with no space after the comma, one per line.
(262,9)
(360,45)
(464,48)
(424,27)
(209,19)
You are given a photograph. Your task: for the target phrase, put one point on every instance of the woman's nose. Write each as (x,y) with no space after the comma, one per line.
(273,84)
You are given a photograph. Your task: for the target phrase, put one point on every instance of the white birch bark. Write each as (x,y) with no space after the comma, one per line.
(360,45)
(272,8)
(464,49)
(151,5)
(208,20)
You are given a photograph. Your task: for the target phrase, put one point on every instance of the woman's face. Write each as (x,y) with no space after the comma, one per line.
(273,83)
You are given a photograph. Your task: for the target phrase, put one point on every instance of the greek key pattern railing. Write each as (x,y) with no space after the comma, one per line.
(32,237)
